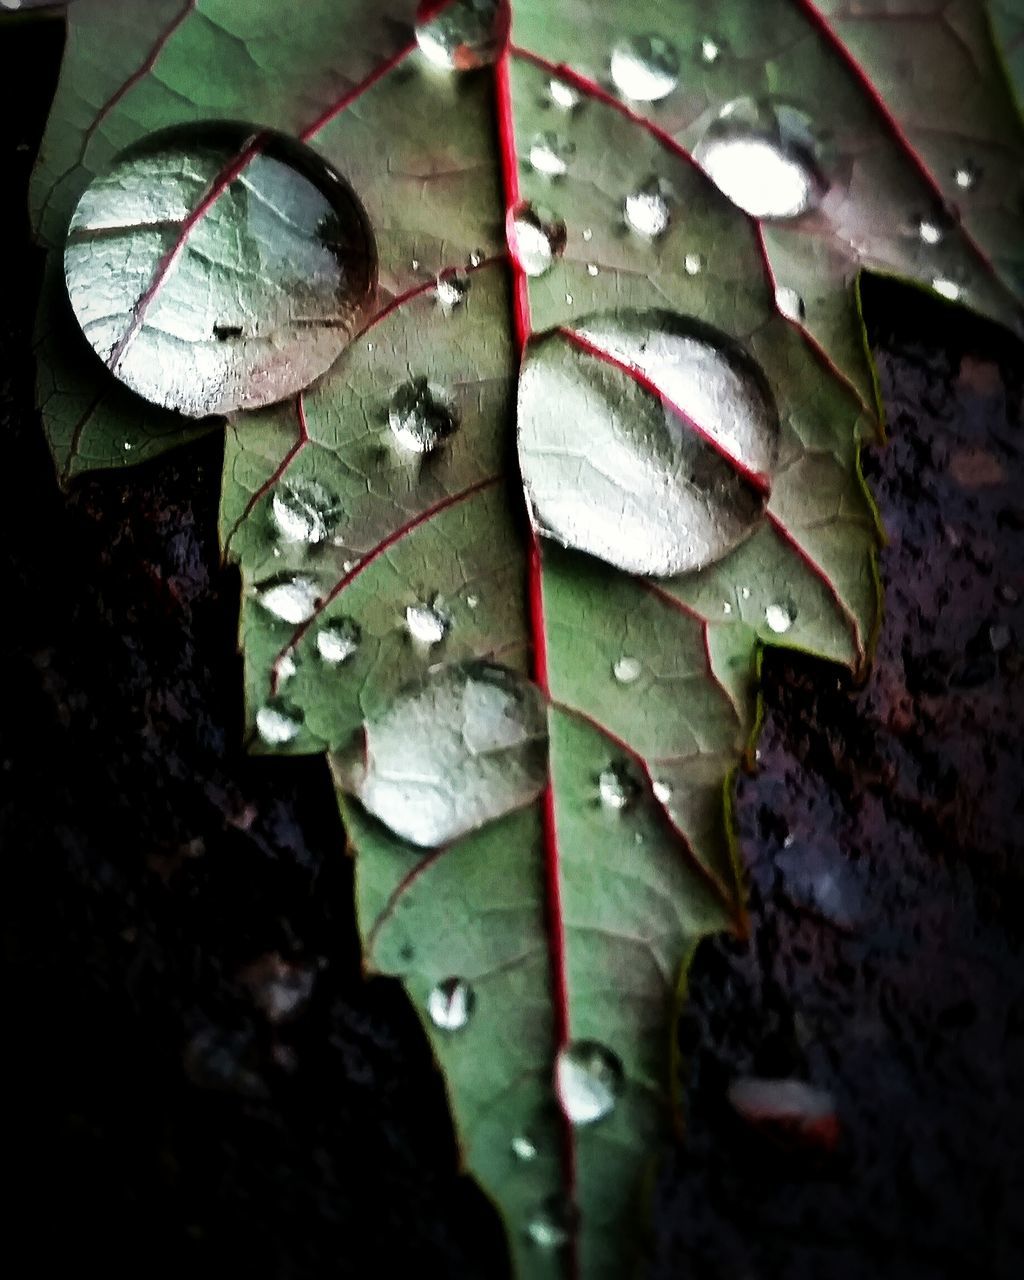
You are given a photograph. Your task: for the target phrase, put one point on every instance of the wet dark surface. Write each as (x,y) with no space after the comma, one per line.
(203,1079)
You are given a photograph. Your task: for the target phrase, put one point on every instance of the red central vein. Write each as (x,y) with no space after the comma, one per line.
(756,479)
(555,918)
(362,565)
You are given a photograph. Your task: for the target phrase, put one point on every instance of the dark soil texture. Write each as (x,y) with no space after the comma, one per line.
(202,1078)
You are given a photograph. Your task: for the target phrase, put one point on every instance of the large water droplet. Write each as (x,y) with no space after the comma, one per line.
(421,416)
(626,669)
(450,1004)
(291,599)
(550,154)
(589,1079)
(612,468)
(277,724)
(338,641)
(779,617)
(215,269)
(427,623)
(465,35)
(763,156)
(551,1226)
(463,747)
(617,787)
(647,210)
(304,511)
(538,239)
(645,68)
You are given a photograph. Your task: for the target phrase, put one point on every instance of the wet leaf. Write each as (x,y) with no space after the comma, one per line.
(522,614)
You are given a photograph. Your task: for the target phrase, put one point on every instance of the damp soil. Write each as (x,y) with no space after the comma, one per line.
(200,1076)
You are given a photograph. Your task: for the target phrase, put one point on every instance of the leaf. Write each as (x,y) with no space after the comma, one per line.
(678,355)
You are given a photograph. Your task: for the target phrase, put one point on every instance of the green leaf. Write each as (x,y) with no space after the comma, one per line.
(695,390)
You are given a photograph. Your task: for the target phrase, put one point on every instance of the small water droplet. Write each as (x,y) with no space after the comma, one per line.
(745,593)
(710,50)
(277,724)
(291,599)
(426,623)
(476,258)
(272,313)
(304,510)
(550,154)
(763,156)
(415,264)
(421,416)
(338,641)
(285,668)
(472,601)
(127,446)
(550,1227)
(523,1148)
(726,607)
(662,791)
(450,1004)
(539,238)
(966,176)
(568,299)
(617,787)
(588,234)
(693,264)
(789,302)
(779,617)
(930,232)
(461,748)
(947,288)
(563,95)
(589,1079)
(592,269)
(645,68)
(647,210)
(626,669)
(450,292)
(467,34)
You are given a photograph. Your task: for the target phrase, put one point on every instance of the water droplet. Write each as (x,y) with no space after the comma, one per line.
(472,601)
(966,176)
(467,34)
(550,154)
(426,623)
(947,288)
(523,1148)
(710,50)
(592,269)
(338,641)
(421,416)
(551,1226)
(929,231)
(763,156)
(626,670)
(285,668)
(726,607)
(693,264)
(779,618)
(304,510)
(590,1079)
(450,1004)
(789,302)
(539,238)
(415,264)
(277,724)
(563,95)
(588,234)
(568,299)
(745,593)
(652,477)
(617,787)
(476,258)
(464,746)
(662,791)
(291,599)
(450,292)
(647,210)
(127,446)
(645,68)
(238,308)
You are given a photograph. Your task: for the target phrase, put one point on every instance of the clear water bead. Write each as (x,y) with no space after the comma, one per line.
(426,623)
(930,232)
(563,95)
(421,416)
(710,50)
(304,510)
(450,292)
(465,35)
(626,669)
(647,210)
(779,617)
(450,1004)
(550,1227)
(550,154)
(217,268)
(278,725)
(966,176)
(338,641)
(947,288)
(589,1080)
(617,787)
(539,239)
(693,264)
(523,1149)
(291,599)
(789,302)
(645,68)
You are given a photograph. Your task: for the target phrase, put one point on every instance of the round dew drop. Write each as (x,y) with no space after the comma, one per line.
(789,302)
(466,35)
(420,416)
(549,1228)
(426,623)
(589,1079)
(550,155)
(563,95)
(338,642)
(450,292)
(779,617)
(277,726)
(450,1004)
(626,669)
(645,68)
(523,1149)
(647,211)
(617,787)
(304,511)
(538,239)
(290,599)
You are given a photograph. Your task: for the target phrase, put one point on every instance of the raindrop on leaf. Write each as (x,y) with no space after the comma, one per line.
(626,670)
(217,268)
(550,154)
(550,1226)
(450,1004)
(538,239)
(304,510)
(450,292)
(789,302)
(589,1079)
(647,211)
(277,724)
(290,599)
(947,288)
(421,416)
(523,1148)
(617,787)
(693,264)
(464,35)
(426,623)
(338,641)
(779,617)
(966,176)
(563,95)
(645,68)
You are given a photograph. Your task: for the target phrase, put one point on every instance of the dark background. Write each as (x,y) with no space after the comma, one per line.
(162,1115)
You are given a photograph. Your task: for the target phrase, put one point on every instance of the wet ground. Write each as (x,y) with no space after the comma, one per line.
(203,1079)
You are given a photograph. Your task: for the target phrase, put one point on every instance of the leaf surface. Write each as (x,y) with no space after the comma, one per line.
(545,948)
